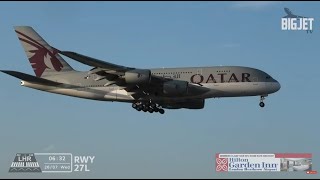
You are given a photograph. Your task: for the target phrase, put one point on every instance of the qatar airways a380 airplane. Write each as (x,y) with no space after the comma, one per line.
(148,90)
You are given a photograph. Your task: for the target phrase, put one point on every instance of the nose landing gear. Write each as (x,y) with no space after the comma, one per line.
(261,104)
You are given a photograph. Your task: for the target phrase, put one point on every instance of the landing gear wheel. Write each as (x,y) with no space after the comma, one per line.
(147,107)
(139,107)
(261,104)
(161,111)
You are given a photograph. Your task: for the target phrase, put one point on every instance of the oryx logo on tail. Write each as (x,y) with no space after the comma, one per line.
(42,58)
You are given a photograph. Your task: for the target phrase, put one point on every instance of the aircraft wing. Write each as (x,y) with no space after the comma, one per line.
(102,68)
(95,62)
(301,16)
(294,16)
(114,73)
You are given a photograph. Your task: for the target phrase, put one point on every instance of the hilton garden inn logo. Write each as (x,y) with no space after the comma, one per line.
(273,162)
(295,22)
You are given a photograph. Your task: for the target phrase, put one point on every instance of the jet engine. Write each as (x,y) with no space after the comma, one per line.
(137,76)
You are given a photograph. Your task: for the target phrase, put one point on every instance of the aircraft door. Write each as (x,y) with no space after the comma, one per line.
(199,71)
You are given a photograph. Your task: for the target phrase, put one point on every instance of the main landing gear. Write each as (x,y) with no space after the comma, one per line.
(261,104)
(147,107)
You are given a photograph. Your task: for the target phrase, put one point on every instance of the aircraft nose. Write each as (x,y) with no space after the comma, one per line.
(273,87)
(276,86)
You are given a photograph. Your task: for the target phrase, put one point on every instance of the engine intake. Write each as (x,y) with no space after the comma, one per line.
(137,76)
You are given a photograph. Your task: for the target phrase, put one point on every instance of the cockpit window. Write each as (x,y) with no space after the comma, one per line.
(268,77)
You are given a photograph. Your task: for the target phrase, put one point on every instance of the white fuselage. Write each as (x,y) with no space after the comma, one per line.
(226,82)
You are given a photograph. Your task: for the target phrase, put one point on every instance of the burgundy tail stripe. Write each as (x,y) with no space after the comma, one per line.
(29,38)
(29,42)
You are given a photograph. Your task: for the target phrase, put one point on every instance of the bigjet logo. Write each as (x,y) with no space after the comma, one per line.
(296,22)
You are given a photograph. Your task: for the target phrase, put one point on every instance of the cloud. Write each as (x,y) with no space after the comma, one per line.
(49,148)
(254,4)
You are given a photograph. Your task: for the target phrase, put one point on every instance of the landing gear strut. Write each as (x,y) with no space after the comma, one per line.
(147,107)
(261,104)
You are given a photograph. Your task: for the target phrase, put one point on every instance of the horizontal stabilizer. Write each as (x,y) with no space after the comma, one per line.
(29,78)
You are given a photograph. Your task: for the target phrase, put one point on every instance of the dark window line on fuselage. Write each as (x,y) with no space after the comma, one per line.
(223,71)
(175,72)
(164,73)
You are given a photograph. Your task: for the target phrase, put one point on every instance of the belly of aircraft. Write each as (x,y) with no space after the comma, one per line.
(235,89)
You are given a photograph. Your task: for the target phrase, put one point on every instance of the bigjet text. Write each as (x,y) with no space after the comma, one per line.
(296,23)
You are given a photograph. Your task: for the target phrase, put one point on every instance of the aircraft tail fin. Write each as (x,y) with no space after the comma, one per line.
(44,59)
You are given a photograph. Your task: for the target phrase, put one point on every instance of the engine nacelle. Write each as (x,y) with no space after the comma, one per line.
(175,87)
(188,104)
(137,76)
